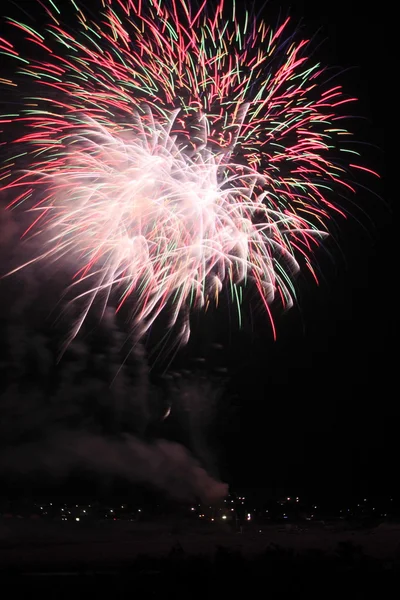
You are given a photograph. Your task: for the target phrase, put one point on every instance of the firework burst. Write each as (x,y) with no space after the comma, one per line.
(170,151)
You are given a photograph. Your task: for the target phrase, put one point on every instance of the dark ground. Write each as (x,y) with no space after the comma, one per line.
(122,560)
(275,573)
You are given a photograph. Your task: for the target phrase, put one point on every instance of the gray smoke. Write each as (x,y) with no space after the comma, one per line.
(165,465)
(93,407)
(196,397)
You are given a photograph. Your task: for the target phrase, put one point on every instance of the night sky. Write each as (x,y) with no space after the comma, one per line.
(318,407)
(316,411)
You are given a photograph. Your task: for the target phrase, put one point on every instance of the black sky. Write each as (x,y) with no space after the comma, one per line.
(316,411)
(318,408)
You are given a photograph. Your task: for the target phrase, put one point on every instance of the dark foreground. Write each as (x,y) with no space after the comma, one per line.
(146,563)
(275,573)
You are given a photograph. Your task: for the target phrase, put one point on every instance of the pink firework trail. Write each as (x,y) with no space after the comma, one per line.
(169,151)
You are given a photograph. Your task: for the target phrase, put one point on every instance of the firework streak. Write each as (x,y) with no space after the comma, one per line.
(169,151)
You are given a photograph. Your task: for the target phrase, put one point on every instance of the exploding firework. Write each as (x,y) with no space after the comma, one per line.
(171,151)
